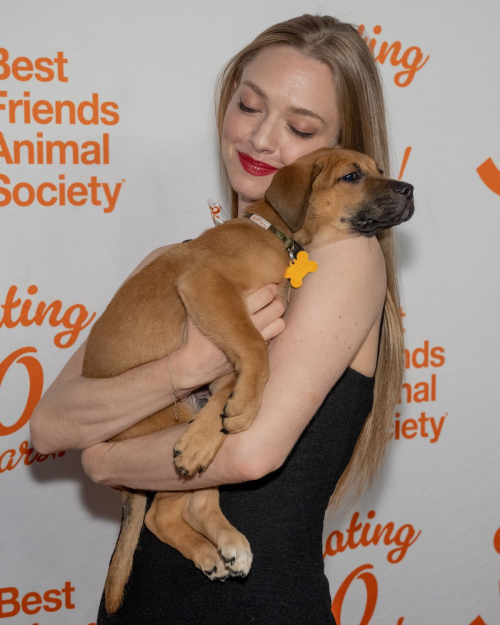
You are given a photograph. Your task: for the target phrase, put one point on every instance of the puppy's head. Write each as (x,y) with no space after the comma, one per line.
(332,191)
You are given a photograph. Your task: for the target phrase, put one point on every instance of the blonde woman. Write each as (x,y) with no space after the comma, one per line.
(336,358)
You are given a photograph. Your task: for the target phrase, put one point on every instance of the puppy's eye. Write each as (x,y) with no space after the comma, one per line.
(351,177)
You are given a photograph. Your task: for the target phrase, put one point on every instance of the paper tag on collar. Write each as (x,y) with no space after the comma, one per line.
(263,223)
(218,214)
(299,268)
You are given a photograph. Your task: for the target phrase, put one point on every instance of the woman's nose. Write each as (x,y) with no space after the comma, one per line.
(264,137)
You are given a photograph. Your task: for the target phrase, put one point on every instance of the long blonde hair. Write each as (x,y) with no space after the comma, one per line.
(363,128)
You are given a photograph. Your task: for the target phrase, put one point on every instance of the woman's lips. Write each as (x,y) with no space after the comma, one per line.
(256,168)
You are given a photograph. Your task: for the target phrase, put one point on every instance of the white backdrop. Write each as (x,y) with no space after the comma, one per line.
(156,63)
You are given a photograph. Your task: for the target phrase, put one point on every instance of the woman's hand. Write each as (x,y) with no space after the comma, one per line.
(199,361)
(77,412)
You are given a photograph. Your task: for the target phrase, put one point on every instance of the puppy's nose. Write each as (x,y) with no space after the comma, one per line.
(404,188)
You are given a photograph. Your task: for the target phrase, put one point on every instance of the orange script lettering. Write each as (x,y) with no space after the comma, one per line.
(363,572)
(490,175)
(11,458)
(35,373)
(410,59)
(404,537)
(73,318)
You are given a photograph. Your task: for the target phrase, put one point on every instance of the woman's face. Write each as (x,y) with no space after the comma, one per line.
(284,106)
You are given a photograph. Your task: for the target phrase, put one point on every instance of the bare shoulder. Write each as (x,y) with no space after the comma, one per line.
(357,255)
(335,315)
(351,272)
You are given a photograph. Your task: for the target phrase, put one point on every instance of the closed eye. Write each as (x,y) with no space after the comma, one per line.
(351,177)
(302,135)
(245,109)
(298,133)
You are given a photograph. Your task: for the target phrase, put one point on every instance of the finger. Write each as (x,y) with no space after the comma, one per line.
(273,329)
(260,298)
(268,314)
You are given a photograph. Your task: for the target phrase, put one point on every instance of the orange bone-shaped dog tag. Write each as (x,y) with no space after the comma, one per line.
(299,268)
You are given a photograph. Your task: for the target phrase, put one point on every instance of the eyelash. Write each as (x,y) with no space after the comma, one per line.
(302,135)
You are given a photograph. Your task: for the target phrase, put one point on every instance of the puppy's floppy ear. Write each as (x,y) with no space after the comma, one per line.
(289,191)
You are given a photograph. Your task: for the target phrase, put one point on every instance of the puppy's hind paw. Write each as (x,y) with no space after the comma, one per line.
(234,549)
(213,566)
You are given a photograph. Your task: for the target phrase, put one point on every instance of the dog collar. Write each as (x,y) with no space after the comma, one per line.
(300,265)
(291,246)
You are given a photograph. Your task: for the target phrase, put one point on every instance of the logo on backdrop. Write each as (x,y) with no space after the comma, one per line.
(23,455)
(410,59)
(363,535)
(359,534)
(45,603)
(490,175)
(20,108)
(21,310)
(425,360)
(397,540)
(365,573)
(404,162)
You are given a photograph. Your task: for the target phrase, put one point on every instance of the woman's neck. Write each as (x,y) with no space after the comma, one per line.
(243,206)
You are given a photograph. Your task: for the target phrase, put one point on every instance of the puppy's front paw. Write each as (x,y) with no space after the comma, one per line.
(196,448)
(238,415)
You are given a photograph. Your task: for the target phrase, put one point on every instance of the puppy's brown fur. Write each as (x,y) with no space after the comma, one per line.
(321,197)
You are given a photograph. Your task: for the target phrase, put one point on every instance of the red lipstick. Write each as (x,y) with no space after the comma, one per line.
(256,168)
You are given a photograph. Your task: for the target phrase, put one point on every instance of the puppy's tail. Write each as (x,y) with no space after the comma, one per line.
(133,511)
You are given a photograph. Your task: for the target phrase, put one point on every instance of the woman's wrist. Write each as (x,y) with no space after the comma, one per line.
(183,376)
(196,363)
(174,378)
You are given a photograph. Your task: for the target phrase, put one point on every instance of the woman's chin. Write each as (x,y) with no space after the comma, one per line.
(250,193)
(244,201)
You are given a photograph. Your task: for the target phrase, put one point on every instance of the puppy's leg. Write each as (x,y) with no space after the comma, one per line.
(196,448)
(164,520)
(134,506)
(203,513)
(158,421)
(218,309)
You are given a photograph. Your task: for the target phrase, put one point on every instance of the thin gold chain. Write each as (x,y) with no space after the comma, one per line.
(176,397)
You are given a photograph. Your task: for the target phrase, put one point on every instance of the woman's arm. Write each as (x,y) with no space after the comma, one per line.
(327,321)
(77,412)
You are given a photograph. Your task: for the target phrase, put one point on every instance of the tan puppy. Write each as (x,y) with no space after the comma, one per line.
(319,198)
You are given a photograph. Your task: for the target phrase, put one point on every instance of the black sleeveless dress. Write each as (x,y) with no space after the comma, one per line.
(282,516)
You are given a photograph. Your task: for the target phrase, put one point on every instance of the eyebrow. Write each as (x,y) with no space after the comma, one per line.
(291,109)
